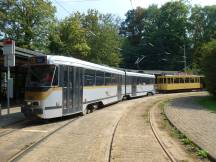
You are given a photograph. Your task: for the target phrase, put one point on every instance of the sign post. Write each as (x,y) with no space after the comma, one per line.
(9,61)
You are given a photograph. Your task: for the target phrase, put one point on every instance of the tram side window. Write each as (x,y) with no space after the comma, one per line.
(128,80)
(152,80)
(113,79)
(134,80)
(55,79)
(89,77)
(108,79)
(123,79)
(99,78)
(139,81)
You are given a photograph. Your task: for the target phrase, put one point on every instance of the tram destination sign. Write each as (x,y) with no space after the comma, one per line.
(9,52)
(9,47)
(38,60)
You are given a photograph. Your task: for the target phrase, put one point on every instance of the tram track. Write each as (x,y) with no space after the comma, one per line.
(24,151)
(18,125)
(153,129)
(155,132)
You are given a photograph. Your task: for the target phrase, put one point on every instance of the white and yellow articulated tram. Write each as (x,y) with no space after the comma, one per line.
(59,86)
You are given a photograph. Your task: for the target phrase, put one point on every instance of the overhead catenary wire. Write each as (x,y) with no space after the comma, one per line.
(58,3)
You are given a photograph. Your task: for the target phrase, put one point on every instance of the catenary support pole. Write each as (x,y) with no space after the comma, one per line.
(8,90)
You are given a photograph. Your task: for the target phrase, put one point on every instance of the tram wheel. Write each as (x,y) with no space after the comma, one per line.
(149,94)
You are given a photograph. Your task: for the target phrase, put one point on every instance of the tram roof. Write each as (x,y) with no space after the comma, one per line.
(63,60)
(139,74)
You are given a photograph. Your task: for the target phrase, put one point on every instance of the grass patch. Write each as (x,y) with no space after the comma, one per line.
(208,102)
(174,132)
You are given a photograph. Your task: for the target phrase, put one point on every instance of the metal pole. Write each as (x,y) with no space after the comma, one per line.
(8,91)
(184,59)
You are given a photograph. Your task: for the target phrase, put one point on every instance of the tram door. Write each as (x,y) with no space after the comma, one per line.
(133,88)
(72,86)
(119,88)
(78,89)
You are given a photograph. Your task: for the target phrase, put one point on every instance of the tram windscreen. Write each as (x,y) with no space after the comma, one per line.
(40,75)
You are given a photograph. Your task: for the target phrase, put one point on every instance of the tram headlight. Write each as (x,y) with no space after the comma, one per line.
(28,103)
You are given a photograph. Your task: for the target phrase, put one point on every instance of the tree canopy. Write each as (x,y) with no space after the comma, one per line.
(208,57)
(160,35)
(92,36)
(27,22)
(148,38)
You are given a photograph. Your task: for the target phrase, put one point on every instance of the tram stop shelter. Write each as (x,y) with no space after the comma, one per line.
(18,73)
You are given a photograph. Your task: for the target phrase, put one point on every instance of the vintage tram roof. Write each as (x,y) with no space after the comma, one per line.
(63,60)
(139,74)
(179,76)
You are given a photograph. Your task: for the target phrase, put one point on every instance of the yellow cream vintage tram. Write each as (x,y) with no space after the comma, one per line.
(59,86)
(171,83)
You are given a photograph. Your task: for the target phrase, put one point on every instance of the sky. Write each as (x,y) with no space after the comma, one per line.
(116,7)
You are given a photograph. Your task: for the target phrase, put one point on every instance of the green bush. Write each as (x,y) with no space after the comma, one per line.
(208,51)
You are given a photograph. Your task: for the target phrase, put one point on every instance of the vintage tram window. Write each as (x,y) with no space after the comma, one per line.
(191,80)
(169,80)
(176,80)
(181,80)
(55,79)
(187,80)
(100,78)
(160,80)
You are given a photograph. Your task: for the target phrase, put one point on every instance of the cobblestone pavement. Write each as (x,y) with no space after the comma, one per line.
(134,140)
(196,123)
(89,138)
(86,139)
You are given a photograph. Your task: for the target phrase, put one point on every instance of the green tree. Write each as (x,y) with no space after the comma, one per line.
(202,29)
(103,38)
(69,38)
(159,34)
(172,32)
(208,55)
(92,36)
(27,22)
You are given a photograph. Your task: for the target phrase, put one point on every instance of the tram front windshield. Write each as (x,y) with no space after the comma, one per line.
(40,75)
